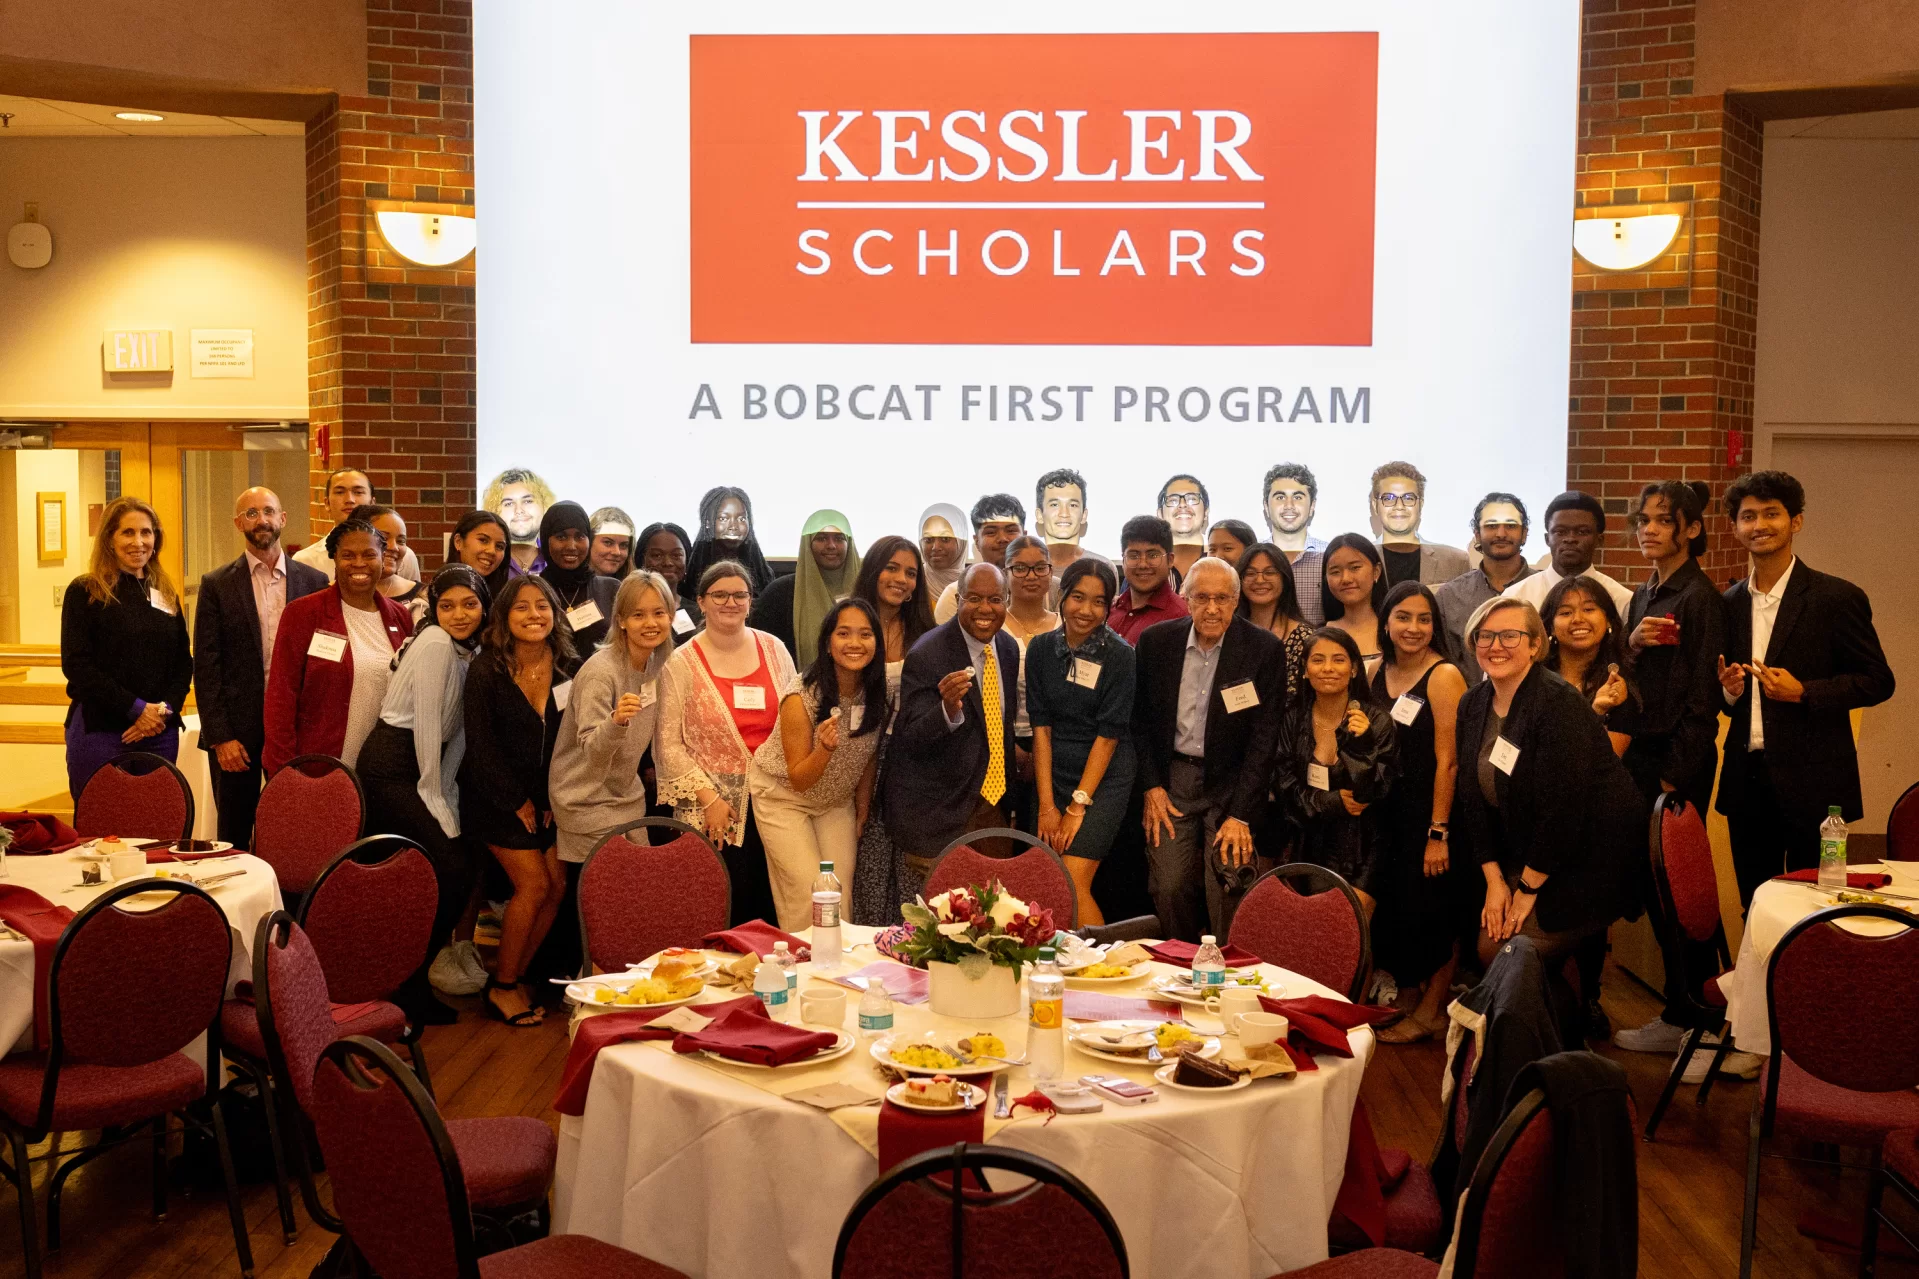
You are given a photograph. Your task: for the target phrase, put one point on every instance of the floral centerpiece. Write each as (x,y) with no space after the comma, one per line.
(973,943)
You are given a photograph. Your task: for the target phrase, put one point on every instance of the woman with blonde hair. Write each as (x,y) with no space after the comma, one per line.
(123,647)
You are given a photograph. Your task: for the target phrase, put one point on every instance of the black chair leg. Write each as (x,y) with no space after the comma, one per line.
(1749,1223)
(160,1168)
(231,1180)
(1673,1080)
(21,1174)
(282,1187)
(418,1056)
(1718,1059)
(1869,1240)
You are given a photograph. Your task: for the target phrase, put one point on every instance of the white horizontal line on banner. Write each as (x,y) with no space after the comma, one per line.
(1031,204)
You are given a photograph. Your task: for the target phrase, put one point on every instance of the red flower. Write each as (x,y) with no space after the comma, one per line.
(982,923)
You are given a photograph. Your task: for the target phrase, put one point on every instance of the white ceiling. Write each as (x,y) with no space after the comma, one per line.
(46,118)
(1865,124)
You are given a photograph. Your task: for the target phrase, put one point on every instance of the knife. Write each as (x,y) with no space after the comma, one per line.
(1002,1096)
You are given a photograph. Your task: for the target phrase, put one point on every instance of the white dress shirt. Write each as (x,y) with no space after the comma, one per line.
(1765,611)
(269,581)
(976,650)
(1534,587)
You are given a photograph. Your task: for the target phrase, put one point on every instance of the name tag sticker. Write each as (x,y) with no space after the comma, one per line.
(649,693)
(1239,697)
(327,647)
(1504,756)
(1407,709)
(682,624)
(749,697)
(1318,776)
(855,715)
(159,601)
(562,694)
(581,616)
(1085,673)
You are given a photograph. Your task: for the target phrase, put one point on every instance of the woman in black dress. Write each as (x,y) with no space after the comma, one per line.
(514,696)
(1423,905)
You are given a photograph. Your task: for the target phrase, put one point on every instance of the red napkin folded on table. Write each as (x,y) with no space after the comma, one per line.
(746,1033)
(1181,953)
(905,1133)
(1320,1024)
(35,833)
(1865,880)
(40,922)
(608,1029)
(756,937)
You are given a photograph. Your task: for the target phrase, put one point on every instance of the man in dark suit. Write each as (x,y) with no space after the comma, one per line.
(233,631)
(949,768)
(1206,710)
(1801,647)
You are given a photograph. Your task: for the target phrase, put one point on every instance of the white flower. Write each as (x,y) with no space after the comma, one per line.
(942,905)
(954,929)
(1006,908)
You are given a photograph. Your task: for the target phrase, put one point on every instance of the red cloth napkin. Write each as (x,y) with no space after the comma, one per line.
(1320,1024)
(1180,953)
(41,922)
(756,937)
(1864,880)
(905,1133)
(1362,1190)
(746,1033)
(608,1029)
(35,833)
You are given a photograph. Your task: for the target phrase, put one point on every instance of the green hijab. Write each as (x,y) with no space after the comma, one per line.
(816,591)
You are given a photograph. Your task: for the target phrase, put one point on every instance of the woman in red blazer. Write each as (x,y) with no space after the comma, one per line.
(333,655)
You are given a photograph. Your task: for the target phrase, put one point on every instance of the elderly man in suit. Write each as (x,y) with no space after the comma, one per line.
(949,769)
(1210,692)
(233,632)
(1801,653)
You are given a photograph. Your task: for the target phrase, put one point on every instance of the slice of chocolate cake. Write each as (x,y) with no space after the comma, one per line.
(1195,1071)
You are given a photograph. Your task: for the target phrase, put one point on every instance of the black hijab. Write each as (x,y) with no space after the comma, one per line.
(569,582)
(707,549)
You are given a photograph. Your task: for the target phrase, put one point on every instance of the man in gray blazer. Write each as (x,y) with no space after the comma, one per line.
(1398,501)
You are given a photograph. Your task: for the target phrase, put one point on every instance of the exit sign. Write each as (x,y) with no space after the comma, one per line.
(137,351)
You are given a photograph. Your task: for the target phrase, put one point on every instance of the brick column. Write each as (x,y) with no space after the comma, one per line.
(390,345)
(1662,358)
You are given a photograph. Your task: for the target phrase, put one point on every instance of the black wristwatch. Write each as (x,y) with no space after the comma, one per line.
(1436,831)
(1521,886)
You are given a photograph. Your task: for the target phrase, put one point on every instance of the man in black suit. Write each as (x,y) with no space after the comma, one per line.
(949,768)
(233,632)
(1801,646)
(1206,711)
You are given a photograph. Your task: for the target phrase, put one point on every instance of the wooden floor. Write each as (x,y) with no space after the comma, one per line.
(1690,1182)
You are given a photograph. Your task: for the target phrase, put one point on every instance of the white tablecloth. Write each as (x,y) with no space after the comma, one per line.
(1776,907)
(245,900)
(193,765)
(687,1163)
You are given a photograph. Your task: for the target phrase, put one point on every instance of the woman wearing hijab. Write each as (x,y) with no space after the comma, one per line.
(792,608)
(410,764)
(726,533)
(666,549)
(586,598)
(943,542)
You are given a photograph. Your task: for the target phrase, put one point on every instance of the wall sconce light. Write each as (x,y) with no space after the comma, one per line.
(1624,244)
(427,239)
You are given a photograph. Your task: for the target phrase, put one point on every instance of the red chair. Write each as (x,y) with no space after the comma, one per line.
(309,811)
(1035,875)
(1689,927)
(1902,827)
(138,794)
(115,1059)
(1322,934)
(398,1182)
(1899,1169)
(1842,1071)
(638,899)
(370,916)
(1052,1226)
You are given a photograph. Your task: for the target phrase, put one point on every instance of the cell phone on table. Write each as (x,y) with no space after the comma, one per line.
(1120,1089)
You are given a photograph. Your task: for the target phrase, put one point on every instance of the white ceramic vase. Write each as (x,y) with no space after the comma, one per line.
(973,992)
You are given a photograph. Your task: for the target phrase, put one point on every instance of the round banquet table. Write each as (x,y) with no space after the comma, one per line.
(691,1162)
(1776,907)
(245,900)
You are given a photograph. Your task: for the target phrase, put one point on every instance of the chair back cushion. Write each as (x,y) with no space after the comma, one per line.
(1034,875)
(1687,856)
(309,811)
(300,1017)
(136,985)
(638,899)
(387,1169)
(1318,936)
(1038,1232)
(1902,827)
(1517,1239)
(371,924)
(153,803)
(1833,993)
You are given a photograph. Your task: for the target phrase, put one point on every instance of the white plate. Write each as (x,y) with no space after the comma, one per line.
(883,1047)
(1073,1033)
(581,992)
(1165,1076)
(972,1095)
(843,1047)
(1181,992)
(1138,971)
(644,968)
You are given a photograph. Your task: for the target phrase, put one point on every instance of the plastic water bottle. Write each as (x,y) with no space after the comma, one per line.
(826,919)
(1832,850)
(788,965)
(876,1010)
(1209,967)
(1046,1020)
(769,985)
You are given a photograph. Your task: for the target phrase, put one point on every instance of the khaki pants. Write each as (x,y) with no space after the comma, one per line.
(797,840)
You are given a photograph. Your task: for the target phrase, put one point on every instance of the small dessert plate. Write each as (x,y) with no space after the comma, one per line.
(1165,1076)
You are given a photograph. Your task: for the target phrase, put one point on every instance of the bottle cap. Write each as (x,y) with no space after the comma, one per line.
(826,866)
(779,948)
(1046,954)
(1832,810)
(1207,939)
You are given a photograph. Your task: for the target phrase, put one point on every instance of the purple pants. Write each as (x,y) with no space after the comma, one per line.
(87,751)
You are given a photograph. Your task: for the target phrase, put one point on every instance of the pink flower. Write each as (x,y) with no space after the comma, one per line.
(982,923)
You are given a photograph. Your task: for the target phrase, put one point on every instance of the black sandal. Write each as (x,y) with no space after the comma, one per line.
(530,1017)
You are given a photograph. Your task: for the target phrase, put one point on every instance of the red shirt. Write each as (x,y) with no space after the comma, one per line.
(1129,619)
(755,726)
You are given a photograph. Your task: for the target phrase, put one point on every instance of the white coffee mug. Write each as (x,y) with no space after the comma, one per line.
(823,1007)
(1256,1029)
(1228,1004)
(131,864)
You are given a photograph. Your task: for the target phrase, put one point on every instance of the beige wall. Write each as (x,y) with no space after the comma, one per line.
(178,233)
(1771,44)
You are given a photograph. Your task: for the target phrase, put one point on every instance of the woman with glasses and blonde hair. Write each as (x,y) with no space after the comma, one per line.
(123,647)
(1542,804)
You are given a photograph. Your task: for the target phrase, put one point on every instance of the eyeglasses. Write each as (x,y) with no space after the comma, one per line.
(1210,601)
(1191,501)
(1030,570)
(255,512)
(1506,639)
(1398,499)
(729,597)
(1148,555)
(974,601)
(1260,574)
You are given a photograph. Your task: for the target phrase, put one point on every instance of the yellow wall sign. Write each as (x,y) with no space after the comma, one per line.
(137,351)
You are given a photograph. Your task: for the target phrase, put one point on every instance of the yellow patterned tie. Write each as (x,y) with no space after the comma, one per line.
(995,784)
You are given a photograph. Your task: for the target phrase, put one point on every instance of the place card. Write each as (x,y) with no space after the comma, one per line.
(682,1019)
(833,1096)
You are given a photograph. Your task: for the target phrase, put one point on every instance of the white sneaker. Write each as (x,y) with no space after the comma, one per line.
(1738,1065)
(1656,1036)
(450,975)
(1384,988)
(471,962)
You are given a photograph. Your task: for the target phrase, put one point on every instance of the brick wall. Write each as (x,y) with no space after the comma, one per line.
(1662,358)
(390,345)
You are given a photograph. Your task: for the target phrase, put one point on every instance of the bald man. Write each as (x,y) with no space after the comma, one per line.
(237,619)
